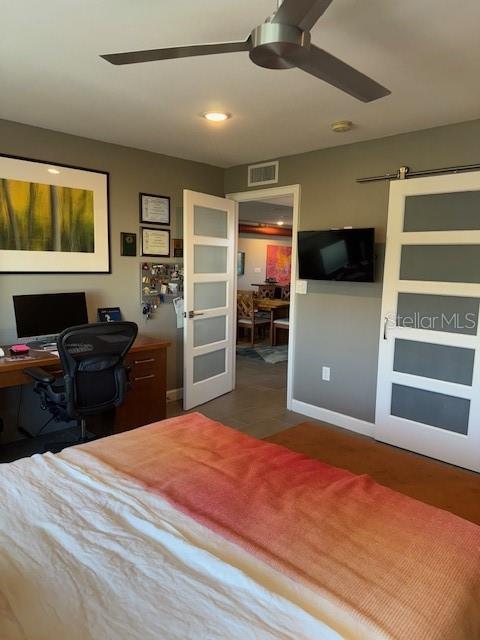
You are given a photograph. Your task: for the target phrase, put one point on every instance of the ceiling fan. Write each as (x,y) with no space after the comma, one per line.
(281,42)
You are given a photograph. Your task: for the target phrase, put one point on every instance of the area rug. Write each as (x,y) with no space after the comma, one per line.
(436,483)
(272,355)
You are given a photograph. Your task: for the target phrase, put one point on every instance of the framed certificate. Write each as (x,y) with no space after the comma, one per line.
(154,209)
(155,242)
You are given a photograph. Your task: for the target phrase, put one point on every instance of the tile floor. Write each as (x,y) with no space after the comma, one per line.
(257,406)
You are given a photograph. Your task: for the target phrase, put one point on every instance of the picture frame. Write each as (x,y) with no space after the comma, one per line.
(240,263)
(178,247)
(154,209)
(155,242)
(109,314)
(128,244)
(54,217)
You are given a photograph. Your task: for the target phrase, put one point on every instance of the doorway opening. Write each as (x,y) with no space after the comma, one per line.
(266,272)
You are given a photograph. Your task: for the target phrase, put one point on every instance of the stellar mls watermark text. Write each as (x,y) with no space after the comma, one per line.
(443,322)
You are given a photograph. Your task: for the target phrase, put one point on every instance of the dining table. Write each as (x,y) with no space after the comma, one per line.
(275,307)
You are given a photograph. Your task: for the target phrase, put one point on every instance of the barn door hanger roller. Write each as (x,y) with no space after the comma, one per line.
(404,172)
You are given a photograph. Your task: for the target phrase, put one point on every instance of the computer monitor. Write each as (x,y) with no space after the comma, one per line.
(40,317)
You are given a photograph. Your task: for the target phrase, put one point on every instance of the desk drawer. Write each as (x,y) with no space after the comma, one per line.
(144,363)
(146,401)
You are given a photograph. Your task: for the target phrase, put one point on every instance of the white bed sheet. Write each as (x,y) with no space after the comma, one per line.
(88,554)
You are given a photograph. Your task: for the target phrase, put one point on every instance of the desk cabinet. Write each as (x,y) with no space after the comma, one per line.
(147,401)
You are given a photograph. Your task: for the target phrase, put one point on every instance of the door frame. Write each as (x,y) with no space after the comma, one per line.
(262,194)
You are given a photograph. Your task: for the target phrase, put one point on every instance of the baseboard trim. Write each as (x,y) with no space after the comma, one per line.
(174,394)
(332,417)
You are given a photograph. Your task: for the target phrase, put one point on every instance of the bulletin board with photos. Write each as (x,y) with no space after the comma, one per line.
(160,283)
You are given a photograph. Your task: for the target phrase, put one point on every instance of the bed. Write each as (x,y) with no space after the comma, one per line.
(189,529)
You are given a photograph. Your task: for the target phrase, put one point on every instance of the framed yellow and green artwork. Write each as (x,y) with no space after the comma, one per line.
(53,218)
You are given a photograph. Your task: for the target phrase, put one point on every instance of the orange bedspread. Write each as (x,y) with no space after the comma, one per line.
(391,566)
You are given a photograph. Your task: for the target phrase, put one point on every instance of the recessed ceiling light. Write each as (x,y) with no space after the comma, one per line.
(55,171)
(216,116)
(280,223)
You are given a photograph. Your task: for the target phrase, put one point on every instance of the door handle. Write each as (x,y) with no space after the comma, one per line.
(385,327)
(192,314)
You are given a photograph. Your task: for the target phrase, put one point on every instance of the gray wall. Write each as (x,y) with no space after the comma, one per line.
(131,171)
(338,323)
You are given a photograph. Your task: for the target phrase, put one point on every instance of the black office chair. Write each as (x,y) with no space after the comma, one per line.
(95,377)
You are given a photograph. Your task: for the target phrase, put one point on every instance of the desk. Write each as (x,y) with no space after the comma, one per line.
(145,403)
(276,308)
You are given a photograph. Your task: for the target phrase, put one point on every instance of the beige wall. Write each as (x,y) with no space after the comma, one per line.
(338,323)
(255,248)
(131,171)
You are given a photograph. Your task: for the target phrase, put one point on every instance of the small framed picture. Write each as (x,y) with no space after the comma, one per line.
(128,244)
(109,314)
(154,209)
(155,242)
(178,248)
(241,263)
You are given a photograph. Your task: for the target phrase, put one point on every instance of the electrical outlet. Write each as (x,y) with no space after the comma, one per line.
(326,374)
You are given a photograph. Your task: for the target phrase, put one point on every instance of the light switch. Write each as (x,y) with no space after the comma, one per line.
(301,286)
(326,374)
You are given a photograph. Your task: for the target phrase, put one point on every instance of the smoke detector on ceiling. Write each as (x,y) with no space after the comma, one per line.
(341,126)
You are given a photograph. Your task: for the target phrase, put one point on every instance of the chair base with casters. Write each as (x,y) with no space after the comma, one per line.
(280,324)
(95,377)
(52,399)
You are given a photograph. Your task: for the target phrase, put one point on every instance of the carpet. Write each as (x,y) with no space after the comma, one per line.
(436,483)
(272,355)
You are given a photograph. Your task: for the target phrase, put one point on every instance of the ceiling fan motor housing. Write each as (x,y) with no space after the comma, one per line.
(272,43)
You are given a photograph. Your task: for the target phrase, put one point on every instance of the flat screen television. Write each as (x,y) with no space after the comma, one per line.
(47,314)
(337,254)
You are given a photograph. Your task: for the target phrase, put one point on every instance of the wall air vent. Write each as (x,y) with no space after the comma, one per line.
(264,173)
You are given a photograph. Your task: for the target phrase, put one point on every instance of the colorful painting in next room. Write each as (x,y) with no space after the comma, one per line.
(44,217)
(279,262)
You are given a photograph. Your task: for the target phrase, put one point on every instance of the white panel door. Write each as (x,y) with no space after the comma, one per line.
(210,241)
(428,393)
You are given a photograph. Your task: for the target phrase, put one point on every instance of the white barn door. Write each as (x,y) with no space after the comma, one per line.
(428,393)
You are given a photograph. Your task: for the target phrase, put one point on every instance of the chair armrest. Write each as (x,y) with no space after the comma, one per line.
(39,375)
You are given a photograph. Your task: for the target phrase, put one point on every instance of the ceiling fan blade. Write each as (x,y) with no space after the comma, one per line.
(301,13)
(323,65)
(132,57)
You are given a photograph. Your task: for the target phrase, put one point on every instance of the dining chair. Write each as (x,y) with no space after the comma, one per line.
(285,292)
(280,324)
(266,291)
(247,317)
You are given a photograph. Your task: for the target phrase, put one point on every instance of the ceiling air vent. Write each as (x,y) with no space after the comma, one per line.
(264,173)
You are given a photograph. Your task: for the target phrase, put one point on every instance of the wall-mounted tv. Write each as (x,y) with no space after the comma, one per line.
(337,254)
